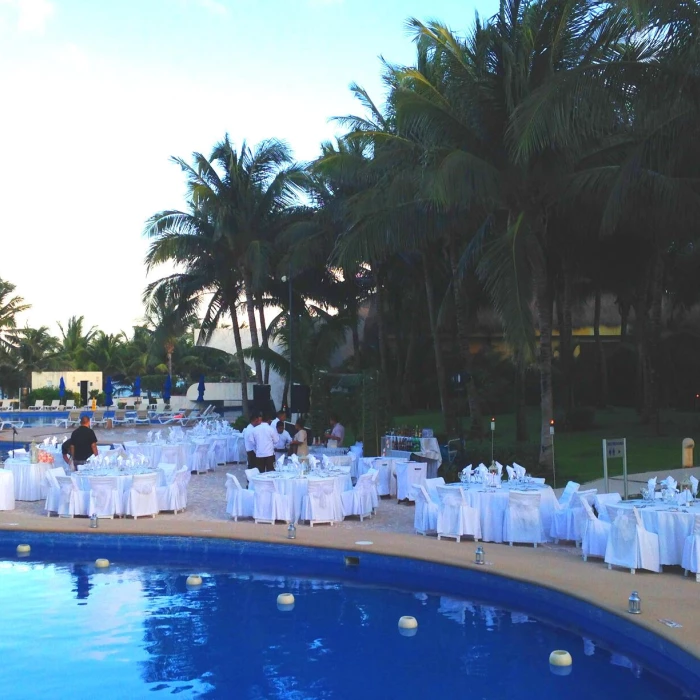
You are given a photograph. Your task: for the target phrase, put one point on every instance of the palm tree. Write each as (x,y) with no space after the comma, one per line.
(34,350)
(75,342)
(106,352)
(10,307)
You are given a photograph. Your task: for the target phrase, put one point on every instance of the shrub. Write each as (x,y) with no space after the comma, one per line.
(505,452)
(48,394)
(240,423)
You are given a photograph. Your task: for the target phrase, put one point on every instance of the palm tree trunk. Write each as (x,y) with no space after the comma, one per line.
(601,364)
(381,327)
(565,339)
(654,340)
(521,432)
(437,349)
(252,324)
(265,336)
(476,429)
(405,380)
(241,362)
(544,319)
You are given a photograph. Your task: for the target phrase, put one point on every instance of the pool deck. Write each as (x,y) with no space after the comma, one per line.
(669,595)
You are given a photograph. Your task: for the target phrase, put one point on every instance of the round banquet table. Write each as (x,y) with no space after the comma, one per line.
(670,522)
(298,487)
(492,504)
(342,454)
(179,453)
(7,490)
(30,484)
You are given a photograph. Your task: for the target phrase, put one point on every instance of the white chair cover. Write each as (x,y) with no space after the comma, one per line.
(322,503)
(72,501)
(568,492)
(523,521)
(359,500)
(239,501)
(691,551)
(629,544)
(601,503)
(386,485)
(374,474)
(408,474)
(173,496)
(203,459)
(7,490)
(104,497)
(456,517)
(268,504)
(425,518)
(595,533)
(54,491)
(250,473)
(431,486)
(567,522)
(142,498)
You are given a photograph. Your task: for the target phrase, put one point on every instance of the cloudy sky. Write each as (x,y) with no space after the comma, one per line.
(97,94)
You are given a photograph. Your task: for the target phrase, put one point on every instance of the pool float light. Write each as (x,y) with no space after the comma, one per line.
(23,549)
(560,662)
(408,626)
(102,563)
(285,601)
(194,580)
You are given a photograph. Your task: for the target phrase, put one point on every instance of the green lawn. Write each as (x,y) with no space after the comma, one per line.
(578,455)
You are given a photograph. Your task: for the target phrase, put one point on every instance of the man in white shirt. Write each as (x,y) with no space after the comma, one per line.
(337,434)
(264,439)
(281,416)
(248,439)
(284,439)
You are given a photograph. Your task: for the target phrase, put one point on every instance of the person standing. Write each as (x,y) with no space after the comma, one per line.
(284,439)
(248,439)
(264,439)
(281,416)
(300,441)
(83,442)
(337,432)
(65,453)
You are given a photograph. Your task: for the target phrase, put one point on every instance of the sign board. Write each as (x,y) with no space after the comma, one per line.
(615,449)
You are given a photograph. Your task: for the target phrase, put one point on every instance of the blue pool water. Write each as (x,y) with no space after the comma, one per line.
(135,631)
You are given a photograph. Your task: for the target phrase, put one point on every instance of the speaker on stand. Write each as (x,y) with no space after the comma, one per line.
(301,398)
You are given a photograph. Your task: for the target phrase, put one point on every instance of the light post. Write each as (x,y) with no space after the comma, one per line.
(554,470)
(289,279)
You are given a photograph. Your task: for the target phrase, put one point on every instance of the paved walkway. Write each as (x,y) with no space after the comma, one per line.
(665,596)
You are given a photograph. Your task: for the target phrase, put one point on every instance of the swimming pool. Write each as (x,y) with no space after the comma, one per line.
(135,629)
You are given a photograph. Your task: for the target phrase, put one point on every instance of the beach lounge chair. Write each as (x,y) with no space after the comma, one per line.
(98,419)
(120,417)
(54,405)
(11,424)
(6,405)
(38,405)
(72,420)
(70,404)
(190,418)
(142,416)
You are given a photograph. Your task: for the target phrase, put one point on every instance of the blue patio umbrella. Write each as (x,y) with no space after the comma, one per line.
(108,392)
(167,388)
(200,388)
(61,388)
(137,386)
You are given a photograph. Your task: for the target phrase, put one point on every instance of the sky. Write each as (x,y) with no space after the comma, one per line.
(97,95)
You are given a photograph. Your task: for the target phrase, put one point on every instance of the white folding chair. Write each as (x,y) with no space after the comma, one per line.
(359,500)
(239,501)
(104,497)
(630,545)
(567,521)
(601,503)
(250,473)
(72,501)
(268,504)
(691,551)
(173,496)
(594,533)
(456,518)
(53,495)
(203,459)
(568,492)
(322,503)
(523,519)
(425,518)
(142,498)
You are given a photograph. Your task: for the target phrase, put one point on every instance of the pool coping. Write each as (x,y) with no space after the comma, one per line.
(665,596)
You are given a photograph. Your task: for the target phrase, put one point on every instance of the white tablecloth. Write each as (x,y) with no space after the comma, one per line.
(298,487)
(672,526)
(30,484)
(7,490)
(492,504)
(179,453)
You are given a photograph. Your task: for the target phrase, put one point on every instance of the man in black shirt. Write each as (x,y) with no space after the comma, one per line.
(65,452)
(83,442)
